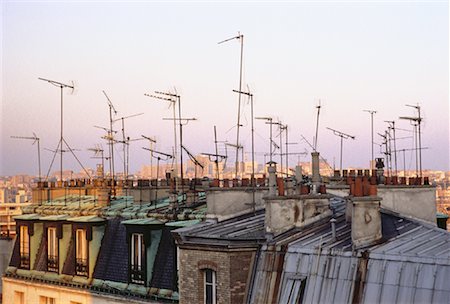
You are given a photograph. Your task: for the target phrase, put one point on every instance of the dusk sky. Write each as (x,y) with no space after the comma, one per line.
(352,56)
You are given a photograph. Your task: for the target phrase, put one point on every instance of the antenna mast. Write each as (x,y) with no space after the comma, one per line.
(342,136)
(317,127)
(240,37)
(62,141)
(35,140)
(371,112)
(111,137)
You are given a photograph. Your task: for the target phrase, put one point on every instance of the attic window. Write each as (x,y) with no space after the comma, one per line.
(137,258)
(24,247)
(52,250)
(81,265)
(294,291)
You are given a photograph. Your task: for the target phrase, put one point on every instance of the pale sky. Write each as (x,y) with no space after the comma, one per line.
(352,56)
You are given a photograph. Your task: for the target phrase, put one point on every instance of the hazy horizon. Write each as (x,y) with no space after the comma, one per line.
(350,56)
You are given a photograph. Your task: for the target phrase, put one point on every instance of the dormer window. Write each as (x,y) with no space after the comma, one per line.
(52,250)
(24,247)
(81,261)
(137,258)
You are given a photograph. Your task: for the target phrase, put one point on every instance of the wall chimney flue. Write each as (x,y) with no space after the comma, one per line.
(272,178)
(315,171)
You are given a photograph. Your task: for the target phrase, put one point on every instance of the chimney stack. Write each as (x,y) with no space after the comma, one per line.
(315,171)
(272,178)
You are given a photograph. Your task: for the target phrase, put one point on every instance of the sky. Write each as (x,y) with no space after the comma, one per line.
(350,56)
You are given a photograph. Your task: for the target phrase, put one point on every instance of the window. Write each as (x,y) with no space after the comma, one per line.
(294,290)
(52,250)
(137,258)
(24,239)
(210,286)
(19,297)
(81,266)
(46,300)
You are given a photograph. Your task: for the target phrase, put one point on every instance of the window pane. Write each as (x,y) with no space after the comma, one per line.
(209,276)
(209,294)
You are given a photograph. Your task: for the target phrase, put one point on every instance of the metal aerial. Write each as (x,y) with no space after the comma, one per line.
(239,37)
(35,139)
(252,179)
(158,157)
(417,121)
(151,141)
(125,142)
(62,141)
(217,157)
(343,136)
(112,110)
(371,112)
(99,153)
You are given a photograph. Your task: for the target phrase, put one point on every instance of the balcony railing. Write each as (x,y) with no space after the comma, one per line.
(52,263)
(24,261)
(137,274)
(81,267)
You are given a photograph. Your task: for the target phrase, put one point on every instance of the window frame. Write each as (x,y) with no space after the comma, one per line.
(212,284)
(52,249)
(81,252)
(138,263)
(24,247)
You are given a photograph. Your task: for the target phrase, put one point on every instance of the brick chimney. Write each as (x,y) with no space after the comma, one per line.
(315,171)
(363,210)
(103,196)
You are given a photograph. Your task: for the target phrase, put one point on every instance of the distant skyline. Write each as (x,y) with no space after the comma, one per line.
(351,56)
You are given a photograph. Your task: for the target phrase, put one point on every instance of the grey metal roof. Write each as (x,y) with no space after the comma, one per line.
(249,226)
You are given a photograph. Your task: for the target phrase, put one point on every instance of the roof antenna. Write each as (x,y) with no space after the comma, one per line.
(317,126)
(342,136)
(417,122)
(217,156)
(125,141)
(35,140)
(240,37)
(110,138)
(99,153)
(158,157)
(62,141)
(151,141)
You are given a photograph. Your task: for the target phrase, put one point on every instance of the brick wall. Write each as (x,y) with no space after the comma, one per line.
(233,271)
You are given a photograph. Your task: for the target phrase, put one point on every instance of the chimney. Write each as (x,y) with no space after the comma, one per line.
(103,196)
(315,171)
(272,178)
(298,174)
(364,214)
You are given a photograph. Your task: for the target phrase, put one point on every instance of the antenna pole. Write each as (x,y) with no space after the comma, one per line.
(342,136)
(371,112)
(420,141)
(317,126)
(241,38)
(217,153)
(287,150)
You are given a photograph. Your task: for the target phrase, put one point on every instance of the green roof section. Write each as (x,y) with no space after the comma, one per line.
(144,221)
(61,217)
(179,224)
(86,219)
(441,215)
(27,217)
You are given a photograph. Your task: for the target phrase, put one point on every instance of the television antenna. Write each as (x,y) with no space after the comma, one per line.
(252,179)
(217,156)
(317,126)
(99,153)
(35,139)
(158,156)
(312,147)
(110,138)
(281,127)
(125,142)
(416,121)
(239,37)
(269,121)
(391,127)
(62,141)
(151,141)
(371,112)
(343,136)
